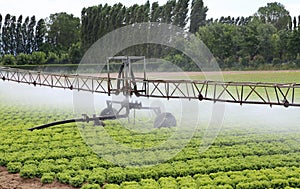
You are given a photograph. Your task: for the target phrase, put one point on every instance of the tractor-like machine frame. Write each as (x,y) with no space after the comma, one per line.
(127,84)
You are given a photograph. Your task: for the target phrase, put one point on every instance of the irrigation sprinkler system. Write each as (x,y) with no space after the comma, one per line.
(127,84)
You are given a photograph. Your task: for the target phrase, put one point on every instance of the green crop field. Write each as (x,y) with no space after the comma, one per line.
(257,147)
(258,76)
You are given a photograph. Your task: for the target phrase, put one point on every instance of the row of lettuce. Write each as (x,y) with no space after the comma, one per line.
(238,158)
(261,179)
(77,171)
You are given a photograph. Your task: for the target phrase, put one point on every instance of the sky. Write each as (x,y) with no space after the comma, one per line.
(217,8)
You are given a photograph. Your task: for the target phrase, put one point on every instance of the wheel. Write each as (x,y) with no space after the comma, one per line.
(108,112)
(165,119)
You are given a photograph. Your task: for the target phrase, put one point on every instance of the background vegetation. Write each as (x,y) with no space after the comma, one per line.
(269,39)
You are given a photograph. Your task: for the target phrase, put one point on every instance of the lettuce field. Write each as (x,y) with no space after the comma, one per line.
(257,147)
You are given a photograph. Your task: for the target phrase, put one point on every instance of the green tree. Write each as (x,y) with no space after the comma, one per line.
(38,58)
(116,18)
(276,14)
(280,40)
(295,23)
(131,14)
(8,59)
(84,29)
(128,15)
(121,9)
(293,43)
(290,23)
(101,15)
(75,53)
(23,59)
(221,39)
(40,33)
(249,43)
(31,45)
(259,38)
(6,41)
(52,58)
(64,58)
(180,13)
(198,15)
(95,24)
(19,37)
(168,12)
(266,44)
(13,35)
(64,30)
(144,12)
(1,50)
(155,12)
(24,31)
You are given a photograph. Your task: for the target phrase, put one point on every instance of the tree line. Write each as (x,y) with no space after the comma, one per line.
(28,41)
(270,37)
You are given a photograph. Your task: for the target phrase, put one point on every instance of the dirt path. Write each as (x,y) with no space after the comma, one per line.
(14,181)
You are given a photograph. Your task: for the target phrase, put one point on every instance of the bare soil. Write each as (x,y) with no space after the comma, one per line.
(14,181)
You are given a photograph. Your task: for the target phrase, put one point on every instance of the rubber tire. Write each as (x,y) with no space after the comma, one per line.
(108,112)
(165,119)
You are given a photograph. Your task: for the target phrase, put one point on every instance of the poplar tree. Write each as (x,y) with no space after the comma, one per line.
(24,32)
(40,33)
(168,12)
(13,36)
(295,23)
(155,15)
(181,11)
(30,46)
(1,50)
(19,36)
(6,35)
(198,15)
